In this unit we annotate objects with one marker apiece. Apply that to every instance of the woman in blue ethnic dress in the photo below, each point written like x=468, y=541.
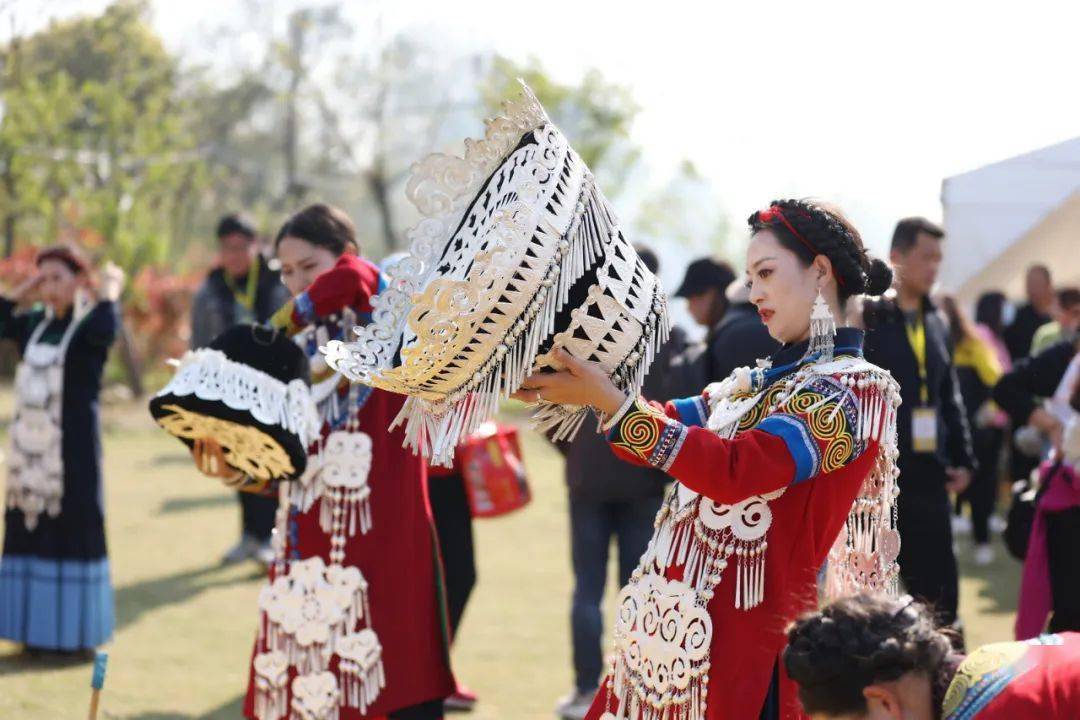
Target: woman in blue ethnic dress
x=779, y=468
x=55, y=588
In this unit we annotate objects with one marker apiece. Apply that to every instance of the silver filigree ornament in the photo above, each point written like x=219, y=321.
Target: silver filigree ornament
x=508, y=230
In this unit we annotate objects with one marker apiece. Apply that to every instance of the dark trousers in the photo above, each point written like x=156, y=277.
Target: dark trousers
x=1063, y=554
x=425, y=711
x=927, y=562
x=257, y=515
x=981, y=495
x=592, y=525
x=453, y=525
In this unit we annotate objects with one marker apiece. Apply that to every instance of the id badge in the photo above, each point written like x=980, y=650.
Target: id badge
x=924, y=429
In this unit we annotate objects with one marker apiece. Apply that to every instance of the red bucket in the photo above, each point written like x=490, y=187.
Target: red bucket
x=494, y=473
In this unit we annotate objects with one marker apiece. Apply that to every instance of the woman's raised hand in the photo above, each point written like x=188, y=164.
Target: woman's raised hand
x=25, y=291
x=581, y=383
x=111, y=283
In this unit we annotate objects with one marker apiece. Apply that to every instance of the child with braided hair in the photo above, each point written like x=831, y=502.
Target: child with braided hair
x=778, y=468
x=878, y=658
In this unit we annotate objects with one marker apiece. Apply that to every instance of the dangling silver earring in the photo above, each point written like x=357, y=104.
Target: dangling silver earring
x=822, y=330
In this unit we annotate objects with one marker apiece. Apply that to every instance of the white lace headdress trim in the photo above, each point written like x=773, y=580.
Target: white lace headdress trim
x=210, y=375
x=507, y=231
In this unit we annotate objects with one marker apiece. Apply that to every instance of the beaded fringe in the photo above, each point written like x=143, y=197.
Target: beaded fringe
x=436, y=428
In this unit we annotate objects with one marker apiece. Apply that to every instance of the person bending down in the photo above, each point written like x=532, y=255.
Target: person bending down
x=878, y=658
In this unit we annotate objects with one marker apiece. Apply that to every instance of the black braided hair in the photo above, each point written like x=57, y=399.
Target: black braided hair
x=835, y=653
x=830, y=234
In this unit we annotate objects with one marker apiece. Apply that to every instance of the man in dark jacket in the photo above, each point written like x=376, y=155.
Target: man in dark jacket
x=242, y=289
x=907, y=336
x=736, y=337
x=1034, y=314
x=609, y=498
x=1020, y=392
x=740, y=339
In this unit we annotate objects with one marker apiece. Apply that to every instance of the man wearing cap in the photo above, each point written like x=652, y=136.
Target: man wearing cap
x=720, y=302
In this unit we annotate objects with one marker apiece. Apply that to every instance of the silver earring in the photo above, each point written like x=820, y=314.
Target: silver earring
x=822, y=330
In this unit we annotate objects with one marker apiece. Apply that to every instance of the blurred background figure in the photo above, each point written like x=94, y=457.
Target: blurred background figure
x=241, y=289
x=1032, y=315
x=978, y=368
x=1043, y=393
x=990, y=310
x=704, y=288
x=906, y=335
x=1065, y=324
x=55, y=583
x=609, y=499
x=740, y=339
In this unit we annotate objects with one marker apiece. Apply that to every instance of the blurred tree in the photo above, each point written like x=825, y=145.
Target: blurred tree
x=96, y=136
x=95, y=141
x=328, y=108
x=685, y=210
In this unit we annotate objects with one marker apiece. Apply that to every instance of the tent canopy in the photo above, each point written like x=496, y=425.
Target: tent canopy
x=1006, y=216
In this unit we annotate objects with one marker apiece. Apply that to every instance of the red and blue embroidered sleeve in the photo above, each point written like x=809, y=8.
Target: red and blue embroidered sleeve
x=812, y=433
x=350, y=283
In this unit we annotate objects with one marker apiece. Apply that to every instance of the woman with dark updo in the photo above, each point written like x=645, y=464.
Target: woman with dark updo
x=878, y=658
x=779, y=468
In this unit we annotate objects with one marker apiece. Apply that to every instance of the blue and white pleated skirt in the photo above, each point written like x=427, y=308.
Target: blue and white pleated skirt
x=56, y=604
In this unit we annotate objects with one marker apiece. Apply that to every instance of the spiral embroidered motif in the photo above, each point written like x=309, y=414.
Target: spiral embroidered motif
x=640, y=430
x=829, y=423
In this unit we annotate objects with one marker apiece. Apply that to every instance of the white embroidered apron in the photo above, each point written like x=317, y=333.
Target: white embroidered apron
x=36, y=466
x=313, y=610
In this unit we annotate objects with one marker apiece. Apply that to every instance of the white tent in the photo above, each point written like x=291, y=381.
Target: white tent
x=1011, y=214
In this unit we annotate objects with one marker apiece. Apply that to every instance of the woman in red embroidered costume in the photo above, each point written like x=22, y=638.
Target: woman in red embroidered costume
x=875, y=658
x=352, y=620
x=779, y=469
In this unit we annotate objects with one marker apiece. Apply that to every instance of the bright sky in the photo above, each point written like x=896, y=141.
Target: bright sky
x=864, y=103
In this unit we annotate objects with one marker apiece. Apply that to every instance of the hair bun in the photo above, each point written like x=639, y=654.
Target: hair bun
x=879, y=277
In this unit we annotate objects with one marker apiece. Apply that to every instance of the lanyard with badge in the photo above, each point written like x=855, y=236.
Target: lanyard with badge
x=923, y=417
x=244, y=311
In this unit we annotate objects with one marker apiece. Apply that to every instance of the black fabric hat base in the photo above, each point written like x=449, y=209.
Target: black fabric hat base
x=264, y=452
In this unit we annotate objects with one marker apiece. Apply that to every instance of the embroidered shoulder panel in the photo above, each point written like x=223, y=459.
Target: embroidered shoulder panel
x=817, y=423
x=981, y=677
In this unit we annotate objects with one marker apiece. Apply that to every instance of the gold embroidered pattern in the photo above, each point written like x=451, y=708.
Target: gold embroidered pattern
x=247, y=449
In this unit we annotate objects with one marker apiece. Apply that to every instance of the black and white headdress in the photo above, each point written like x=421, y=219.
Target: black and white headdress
x=518, y=252
x=248, y=391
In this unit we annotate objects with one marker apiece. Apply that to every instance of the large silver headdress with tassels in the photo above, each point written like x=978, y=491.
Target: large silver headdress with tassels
x=518, y=252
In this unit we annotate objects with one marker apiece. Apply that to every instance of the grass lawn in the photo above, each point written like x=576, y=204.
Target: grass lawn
x=186, y=624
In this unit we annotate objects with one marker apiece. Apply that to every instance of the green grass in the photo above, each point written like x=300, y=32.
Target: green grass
x=185, y=624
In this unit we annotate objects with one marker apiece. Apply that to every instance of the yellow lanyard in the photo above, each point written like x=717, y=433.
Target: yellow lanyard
x=916, y=335
x=247, y=300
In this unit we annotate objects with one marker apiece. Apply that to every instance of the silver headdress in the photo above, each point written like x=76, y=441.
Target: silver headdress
x=518, y=252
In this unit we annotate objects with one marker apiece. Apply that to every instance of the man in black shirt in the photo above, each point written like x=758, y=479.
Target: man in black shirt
x=1033, y=315
x=242, y=289
x=907, y=336
x=717, y=300
x=740, y=339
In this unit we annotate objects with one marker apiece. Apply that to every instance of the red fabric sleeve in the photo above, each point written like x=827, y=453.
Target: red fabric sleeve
x=812, y=433
x=728, y=471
